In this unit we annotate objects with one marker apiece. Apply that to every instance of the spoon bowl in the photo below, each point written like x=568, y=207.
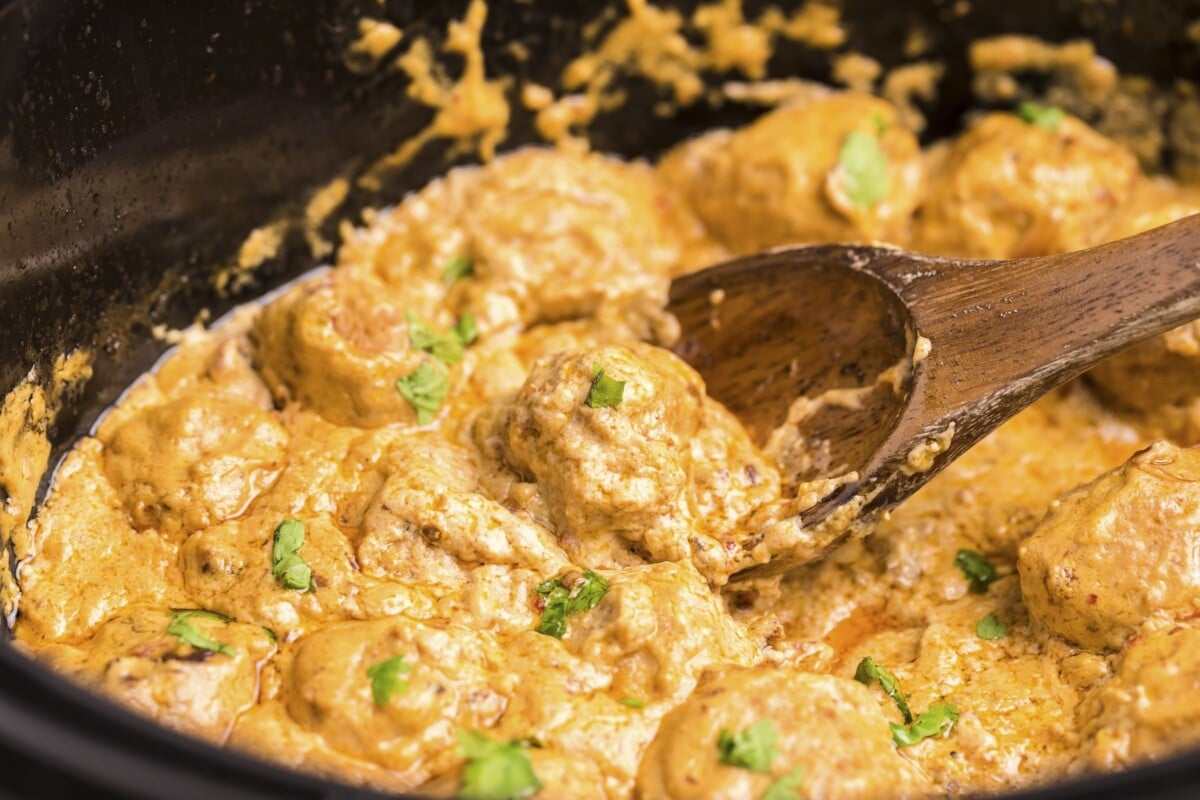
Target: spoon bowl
x=883, y=366
x=792, y=323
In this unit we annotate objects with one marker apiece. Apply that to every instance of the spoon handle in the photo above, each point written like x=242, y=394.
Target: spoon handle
x=1003, y=333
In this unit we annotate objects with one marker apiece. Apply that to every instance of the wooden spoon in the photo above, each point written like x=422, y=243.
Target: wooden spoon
x=800, y=321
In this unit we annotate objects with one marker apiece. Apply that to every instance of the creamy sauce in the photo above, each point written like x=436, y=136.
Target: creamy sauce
x=442, y=483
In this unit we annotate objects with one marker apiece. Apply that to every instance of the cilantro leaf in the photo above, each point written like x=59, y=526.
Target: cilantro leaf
x=182, y=628
x=386, y=680
x=864, y=169
x=787, y=787
x=868, y=671
x=605, y=392
x=632, y=702
x=937, y=720
x=977, y=569
x=287, y=566
x=990, y=628
x=424, y=389
x=554, y=613
x=495, y=770
x=446, y=349
x=561, y=602
x=465, y=330
x=1047, y=117
x=458, y=267
x=753, y=749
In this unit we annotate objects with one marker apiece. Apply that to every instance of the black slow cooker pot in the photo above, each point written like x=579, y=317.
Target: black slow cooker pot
x=141, y=142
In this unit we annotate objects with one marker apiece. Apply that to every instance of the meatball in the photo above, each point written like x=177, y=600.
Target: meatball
x=853, y=758
x=1016, y=709
x=1115, y=552
x=658, y=625
x=338, y=347
x=332, y=479
x=428, y=525
x=543, y=235
x=562, y=235
x=560, y=775
x=413, y=731
x=1007, y=188
x=91, y=562
x=612, y=477
x=193, y=462
x=228, y=568
x=1162, y=371
x=136, y=660
x=561, y=698
x=784, y=179
x=1151, y=706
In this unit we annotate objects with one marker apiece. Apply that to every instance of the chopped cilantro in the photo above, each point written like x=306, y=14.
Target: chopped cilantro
x=182, y=628
x=787, y=787
x=424, y=389
x=881, y=124
x=1047, y=117
x=937, y=720
x=495, y=770
x=990, y=628
x=868, y=671
x=287, y=566
x=605, y=392
x=977, y=569
x=632, y=702
x=561, y=602
x=386, y=680
x=457, y=267
x=864, y=169
x=447, y=349
x=752, y=749
x=465, y=330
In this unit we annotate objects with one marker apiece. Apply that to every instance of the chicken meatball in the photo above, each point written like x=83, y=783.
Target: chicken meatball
x=560, y=696
x=1150, y=708
x=193, y=462
x=612, y=476
x=839, y=168
x=339, y=347
x=395, y=691
x=1113, y=553
x=539, y=236
x=659, y=625
x=229, y=568
x=545, y=225
x=1008, y=188
x=190, y=670
x=853, y=758
x=427, y=525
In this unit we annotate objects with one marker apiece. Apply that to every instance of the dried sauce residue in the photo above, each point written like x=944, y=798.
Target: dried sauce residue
x=472, y=110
